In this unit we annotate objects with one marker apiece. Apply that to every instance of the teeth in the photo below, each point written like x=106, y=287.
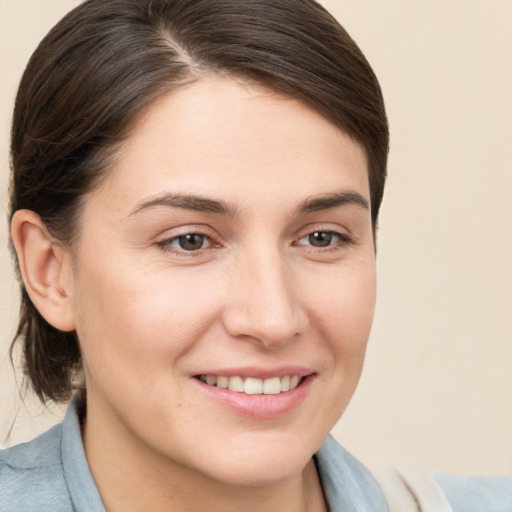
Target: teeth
x=222, y=382
x=236, y=384
x=272, y=386
x=211, y=380
x=252, y=385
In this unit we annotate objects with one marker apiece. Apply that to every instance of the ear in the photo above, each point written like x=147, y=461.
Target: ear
x=45, y=268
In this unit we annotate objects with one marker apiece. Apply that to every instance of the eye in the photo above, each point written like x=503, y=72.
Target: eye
x=320, y=239
x=189, y=242
x=323, y=239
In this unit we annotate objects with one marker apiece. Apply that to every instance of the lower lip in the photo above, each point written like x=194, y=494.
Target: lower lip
x=259, y=406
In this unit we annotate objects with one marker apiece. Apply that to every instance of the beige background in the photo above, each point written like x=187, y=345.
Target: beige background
x=437, y=388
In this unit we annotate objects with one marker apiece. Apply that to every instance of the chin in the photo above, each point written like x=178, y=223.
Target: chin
x=261, y=471
x=262, y=461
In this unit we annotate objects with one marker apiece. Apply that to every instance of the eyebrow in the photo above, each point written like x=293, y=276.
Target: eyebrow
x=328, y=201
x=219, y=207
x=188, y=202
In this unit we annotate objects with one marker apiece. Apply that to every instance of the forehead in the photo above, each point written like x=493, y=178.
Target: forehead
x=217, y=136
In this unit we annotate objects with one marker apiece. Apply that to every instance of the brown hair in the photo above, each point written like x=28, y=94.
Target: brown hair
x=107, y=60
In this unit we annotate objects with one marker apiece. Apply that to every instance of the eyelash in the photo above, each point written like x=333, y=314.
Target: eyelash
x=341, y=240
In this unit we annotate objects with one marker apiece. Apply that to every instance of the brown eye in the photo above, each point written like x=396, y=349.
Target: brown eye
x=190, y=242
x=320, y=239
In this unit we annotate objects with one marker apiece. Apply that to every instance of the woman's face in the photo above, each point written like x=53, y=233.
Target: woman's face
x=232, y=243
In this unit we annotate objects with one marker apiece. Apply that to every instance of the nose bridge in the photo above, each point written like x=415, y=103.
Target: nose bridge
x=265, y=303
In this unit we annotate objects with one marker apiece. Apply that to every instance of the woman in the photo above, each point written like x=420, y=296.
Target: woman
x=196, y=187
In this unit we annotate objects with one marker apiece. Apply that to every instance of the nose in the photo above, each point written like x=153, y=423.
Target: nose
x=264, y=305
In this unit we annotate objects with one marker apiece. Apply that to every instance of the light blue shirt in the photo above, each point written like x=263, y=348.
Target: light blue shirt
x=51, y=474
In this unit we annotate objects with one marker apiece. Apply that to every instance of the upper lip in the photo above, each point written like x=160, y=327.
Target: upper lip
x=259, y=372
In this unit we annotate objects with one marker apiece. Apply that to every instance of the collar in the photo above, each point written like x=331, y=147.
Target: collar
x=82, y=489
x=347, y=484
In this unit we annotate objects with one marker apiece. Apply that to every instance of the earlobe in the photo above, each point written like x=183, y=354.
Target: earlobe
x=45, y=269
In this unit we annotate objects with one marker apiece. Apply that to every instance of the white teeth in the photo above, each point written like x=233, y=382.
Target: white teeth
x=272, y=386
x=222, y=382
x=236, y=384
x=253, y=385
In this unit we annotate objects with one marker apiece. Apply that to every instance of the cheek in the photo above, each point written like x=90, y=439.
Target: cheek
x=344, y=315
x=133, y=320
x=342, y=311
x=344, y=305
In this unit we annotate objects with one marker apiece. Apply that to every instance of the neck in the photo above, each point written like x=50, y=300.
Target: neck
x=130, y=478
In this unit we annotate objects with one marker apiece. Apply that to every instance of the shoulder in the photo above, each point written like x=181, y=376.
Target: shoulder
x=350, y=486
x=416, y=489
x=477, y=493
x=31, y=475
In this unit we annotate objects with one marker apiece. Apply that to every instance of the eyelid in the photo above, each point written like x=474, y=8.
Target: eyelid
x=186, y=229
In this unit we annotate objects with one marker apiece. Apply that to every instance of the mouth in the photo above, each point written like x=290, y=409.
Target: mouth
x=253, y=385
x=257, y=393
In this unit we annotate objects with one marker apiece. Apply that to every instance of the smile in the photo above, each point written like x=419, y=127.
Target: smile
x=253, y=385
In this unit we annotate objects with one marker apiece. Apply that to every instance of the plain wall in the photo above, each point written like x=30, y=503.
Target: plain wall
x=437, y=386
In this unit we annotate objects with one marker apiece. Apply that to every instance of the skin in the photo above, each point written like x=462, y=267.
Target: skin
x=151, y=316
